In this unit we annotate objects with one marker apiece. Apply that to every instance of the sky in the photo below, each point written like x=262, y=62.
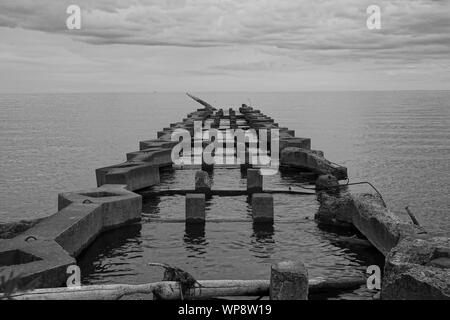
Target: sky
x=223, y=45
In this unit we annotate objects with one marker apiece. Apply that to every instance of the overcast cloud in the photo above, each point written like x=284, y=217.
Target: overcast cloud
x=172, y=45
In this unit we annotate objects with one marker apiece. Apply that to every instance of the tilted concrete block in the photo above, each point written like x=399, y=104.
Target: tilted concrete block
x=136, y=175
x=380, y=226
x=418, y=269
x=308, y=160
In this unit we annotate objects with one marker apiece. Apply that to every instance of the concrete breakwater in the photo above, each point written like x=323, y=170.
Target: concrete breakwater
x=45, y=250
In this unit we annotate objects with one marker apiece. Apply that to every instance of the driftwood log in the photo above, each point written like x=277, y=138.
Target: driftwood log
x=170, y=290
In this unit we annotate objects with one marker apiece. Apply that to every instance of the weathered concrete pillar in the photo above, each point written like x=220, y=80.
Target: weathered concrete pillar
x=195, y=208
x=262, y=207
x=289, y=281
x=254, y=180
x=202, y=182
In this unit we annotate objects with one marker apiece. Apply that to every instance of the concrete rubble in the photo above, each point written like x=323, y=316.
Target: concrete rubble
x=417, y=264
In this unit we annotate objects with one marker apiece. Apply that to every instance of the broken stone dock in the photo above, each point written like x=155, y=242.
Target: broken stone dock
x=417, y=264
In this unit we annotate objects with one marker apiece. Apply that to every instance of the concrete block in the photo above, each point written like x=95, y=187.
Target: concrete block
x=328, y=183
x=303, y=143
x=161, y=157
x=289, y=281
x=164, y=132
x=318, y=153
x=165, y=135
x=195, y=208
x=73, y=228
x=335, y=210
x=156, y=143
x=41, y=262
x=380, y=226
x=262, y=207
x=84, y=214
x=136, y=175
x=418, y=269
x=119, y=205
x=254, y=180
x=287, y=132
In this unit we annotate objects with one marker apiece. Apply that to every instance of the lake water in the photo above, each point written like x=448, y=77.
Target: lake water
x=399, y=141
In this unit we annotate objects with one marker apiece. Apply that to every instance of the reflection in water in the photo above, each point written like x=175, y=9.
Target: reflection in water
x=194, y=239
x=167, y=175
x=262, y=240
x=151, y=206
x=364, y=255
x=263, y=231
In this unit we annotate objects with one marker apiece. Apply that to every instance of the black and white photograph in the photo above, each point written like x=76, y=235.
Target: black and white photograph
x=223, y=154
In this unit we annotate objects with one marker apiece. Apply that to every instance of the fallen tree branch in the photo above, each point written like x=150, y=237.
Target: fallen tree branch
x=414, y=220
x=170, y=290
